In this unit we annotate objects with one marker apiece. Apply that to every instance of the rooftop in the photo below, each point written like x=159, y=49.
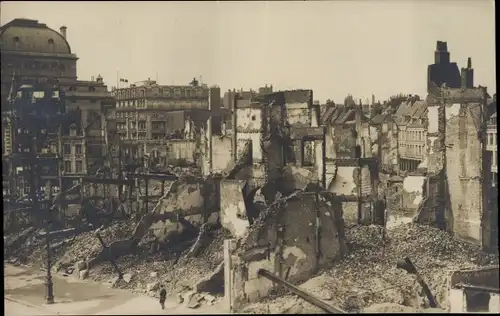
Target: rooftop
x=29, y=36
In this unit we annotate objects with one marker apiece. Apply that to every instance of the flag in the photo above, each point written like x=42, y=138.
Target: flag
x=123, y=80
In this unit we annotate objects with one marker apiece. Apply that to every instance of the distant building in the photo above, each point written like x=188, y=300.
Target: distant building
x=231, y=96
x=411, y=119
x=149, y=113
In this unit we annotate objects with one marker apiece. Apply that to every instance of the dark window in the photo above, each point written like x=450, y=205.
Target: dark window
x=51, y=41
x=78, y=149
x=79, y=167
x=477, y=302
x=67, y=166
x=357, y=151
x=67, y=149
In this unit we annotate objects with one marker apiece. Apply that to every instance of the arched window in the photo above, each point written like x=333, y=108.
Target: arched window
x=51, y=41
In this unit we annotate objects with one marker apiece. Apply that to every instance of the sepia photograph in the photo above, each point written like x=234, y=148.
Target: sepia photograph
x=249, y=157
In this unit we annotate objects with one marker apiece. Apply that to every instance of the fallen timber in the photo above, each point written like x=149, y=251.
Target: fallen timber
x=300, y=293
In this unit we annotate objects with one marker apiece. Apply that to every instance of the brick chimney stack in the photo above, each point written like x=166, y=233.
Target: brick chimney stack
x=62, y=30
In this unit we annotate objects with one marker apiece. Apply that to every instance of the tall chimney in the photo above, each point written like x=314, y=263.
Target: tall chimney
x=467, y=75
x=62, y=30
x=441, y=55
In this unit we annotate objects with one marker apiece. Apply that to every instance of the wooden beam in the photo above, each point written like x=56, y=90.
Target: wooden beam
x=107, y=181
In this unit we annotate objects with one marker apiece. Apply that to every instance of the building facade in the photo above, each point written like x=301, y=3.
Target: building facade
x=491, y=145
x=39, y=68
x=411, y=118
x=148, y=115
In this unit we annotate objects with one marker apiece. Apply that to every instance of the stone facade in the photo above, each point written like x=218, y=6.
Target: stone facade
x=37, y=59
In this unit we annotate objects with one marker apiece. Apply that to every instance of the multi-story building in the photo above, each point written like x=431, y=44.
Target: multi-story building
x=411, y=119
x=37, y=60
x=147, y=114
x=241, y=98
x=491, y=144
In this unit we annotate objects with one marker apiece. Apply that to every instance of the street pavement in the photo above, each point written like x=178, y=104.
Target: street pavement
x=25, y=291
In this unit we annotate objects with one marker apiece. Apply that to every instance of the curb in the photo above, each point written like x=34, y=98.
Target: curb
x=10, y=298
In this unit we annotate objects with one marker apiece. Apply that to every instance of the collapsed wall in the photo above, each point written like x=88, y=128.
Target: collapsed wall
x=189, y=203
x=293, y=238
x=356, y=181
x=404, y=195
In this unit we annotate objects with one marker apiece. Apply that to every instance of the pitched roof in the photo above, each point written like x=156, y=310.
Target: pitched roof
x=378, y=119
x=328, y=112
x=411, y=110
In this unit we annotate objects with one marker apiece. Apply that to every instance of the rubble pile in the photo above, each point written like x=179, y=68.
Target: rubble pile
x=176, y=271
x=368, y=275
x=86, y=245
x=66, y=251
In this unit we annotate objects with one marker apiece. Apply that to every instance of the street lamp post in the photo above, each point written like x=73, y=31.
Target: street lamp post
x=35, y=177
x=48, y=282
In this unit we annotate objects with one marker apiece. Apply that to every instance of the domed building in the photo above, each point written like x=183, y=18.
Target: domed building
x=31, y=50
x=37, y=58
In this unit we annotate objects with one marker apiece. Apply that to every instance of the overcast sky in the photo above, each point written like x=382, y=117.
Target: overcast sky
x=332, y=47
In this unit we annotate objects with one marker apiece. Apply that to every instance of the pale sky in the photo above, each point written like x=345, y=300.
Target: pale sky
x=333, y=47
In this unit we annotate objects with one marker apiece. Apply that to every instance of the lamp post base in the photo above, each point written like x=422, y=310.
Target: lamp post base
x=49, y=299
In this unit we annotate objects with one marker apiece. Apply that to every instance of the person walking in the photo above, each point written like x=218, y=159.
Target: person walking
x=163, y=296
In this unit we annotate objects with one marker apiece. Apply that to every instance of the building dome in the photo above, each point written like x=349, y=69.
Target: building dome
x=29, y=36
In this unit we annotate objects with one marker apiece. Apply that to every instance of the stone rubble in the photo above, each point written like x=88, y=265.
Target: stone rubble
x=367, y=278
x=368, y=275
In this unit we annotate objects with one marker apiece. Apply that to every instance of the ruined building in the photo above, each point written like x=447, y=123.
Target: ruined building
x=231, y=97
x=346, y=125
x=384, y=136
x=458, y=187
x=351, y=159
x=39, y=78
x=443, y=72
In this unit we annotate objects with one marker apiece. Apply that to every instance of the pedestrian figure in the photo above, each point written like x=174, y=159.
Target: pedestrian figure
x=163, y=296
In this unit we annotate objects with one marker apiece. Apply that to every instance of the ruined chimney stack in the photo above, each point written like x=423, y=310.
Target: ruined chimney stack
x=62, y=30
x=467, y=75
x=441, y=55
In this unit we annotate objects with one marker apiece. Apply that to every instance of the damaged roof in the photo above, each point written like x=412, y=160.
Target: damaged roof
x=340, y=114
x=412, y=109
